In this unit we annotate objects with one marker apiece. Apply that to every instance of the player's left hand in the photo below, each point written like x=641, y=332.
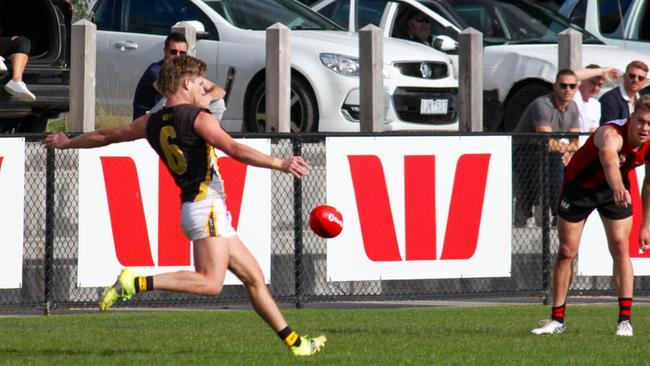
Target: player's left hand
x=296, y=166
x=55, y=140
x=644, y=239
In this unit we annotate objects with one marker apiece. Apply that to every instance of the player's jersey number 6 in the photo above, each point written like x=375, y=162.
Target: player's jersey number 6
x=173, y=153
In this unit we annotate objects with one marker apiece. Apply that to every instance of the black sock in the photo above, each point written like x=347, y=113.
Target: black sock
x=143, y=284
x=290, y=338
x=557, y=313
x=624, y=309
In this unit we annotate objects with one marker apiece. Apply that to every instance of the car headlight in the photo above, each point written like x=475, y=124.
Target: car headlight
x=341, y=64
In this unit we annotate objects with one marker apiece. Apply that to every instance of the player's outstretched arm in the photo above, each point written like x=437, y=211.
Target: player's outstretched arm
x=210, y=129
x=609, y=143
x=102, y=137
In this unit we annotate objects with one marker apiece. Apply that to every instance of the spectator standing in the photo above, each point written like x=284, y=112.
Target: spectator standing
x=553, y=112
x=618, y=103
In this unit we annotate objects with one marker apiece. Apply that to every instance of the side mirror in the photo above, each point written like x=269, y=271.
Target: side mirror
x=445, y=44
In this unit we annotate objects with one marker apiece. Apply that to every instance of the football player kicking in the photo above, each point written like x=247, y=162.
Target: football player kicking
x=597, y=179
x=183, y=134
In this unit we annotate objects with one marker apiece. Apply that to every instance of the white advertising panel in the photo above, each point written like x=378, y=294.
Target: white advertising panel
x=12, y=180
x=129, y=212
x=420, y=207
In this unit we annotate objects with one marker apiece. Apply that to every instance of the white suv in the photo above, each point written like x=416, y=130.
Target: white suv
x=520, y=38
x=324, y=63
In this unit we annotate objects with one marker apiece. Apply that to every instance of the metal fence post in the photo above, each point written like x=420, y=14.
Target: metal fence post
x=48, y=266
x=297, y=222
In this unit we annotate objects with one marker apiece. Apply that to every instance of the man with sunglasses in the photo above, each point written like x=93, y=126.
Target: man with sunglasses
x=618, y=103
x=553, y=112
x=597, y=179
x=146, y=96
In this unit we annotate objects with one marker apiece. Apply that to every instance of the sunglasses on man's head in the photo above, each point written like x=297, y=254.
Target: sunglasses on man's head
x=568, y=86
x=177, y=52
x=636, y=77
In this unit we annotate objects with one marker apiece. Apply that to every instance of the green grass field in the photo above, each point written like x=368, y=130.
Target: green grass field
x=494, y=335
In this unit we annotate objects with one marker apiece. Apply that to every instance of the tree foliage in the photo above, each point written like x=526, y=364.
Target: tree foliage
x=81, y=8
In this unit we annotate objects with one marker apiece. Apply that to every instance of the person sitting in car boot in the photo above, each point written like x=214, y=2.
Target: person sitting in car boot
x=18, y=48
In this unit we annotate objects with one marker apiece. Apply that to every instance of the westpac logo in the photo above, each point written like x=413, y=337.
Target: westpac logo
x=127, y=216
x=376, y=216
x=420, y=207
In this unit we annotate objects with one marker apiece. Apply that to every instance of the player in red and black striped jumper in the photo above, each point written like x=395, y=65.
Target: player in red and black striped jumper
x=597, y=179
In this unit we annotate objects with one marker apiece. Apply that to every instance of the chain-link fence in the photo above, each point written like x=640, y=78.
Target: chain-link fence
x=298, y=257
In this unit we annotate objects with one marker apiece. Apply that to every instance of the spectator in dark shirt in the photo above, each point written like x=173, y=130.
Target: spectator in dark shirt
x=146, y=96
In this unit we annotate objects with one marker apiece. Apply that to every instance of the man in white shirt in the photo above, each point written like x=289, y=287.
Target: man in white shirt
x=588, y=105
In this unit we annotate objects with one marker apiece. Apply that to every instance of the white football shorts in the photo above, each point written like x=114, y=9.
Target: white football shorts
x=206, y=218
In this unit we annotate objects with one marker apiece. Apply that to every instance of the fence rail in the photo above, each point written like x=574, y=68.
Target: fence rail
x=298, y=257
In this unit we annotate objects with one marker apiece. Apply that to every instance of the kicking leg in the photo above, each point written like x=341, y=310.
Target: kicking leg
x=245, y=266
x=211, y=257
x=210, y=260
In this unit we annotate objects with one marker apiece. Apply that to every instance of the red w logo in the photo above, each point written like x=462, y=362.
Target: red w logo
x=376, y=218
x=637, y=212
x=126, y=210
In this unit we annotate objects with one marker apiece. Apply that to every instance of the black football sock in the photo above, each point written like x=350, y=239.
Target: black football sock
x=290, y=337
x=143, y=284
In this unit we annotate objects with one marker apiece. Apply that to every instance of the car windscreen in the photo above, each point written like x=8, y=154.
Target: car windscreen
x=514, y=22
x=261, y=14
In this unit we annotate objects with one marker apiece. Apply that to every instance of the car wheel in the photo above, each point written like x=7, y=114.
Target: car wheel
x=520, y=101
x=304, y=112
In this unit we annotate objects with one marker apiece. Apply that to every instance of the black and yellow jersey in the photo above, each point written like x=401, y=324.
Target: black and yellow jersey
x=190, y=159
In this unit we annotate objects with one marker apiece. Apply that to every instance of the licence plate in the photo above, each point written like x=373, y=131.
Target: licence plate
x=433, y=106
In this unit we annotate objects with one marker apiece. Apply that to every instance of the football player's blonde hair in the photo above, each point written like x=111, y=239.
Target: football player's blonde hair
x=177, y=69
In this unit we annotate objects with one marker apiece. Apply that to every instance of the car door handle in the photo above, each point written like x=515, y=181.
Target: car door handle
x=126, y=45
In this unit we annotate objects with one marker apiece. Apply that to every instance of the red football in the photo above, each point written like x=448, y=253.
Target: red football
x=326, y=221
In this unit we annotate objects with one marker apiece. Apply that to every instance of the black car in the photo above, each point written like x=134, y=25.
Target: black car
x=47, y=24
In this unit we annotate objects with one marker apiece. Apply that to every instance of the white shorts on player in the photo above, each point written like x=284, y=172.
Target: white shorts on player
x=205, y=218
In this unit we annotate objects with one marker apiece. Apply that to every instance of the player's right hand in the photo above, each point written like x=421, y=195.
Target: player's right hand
x=55, y=140
x=296, y=165
x=622, y=197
